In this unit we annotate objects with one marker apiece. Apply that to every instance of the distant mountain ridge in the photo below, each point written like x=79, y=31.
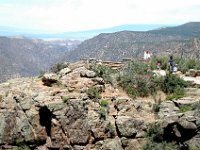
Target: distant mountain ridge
x=79, y=35
x=191, y=29
x=126, y=44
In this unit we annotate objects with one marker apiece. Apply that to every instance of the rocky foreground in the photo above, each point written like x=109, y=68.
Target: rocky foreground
x=57, y=112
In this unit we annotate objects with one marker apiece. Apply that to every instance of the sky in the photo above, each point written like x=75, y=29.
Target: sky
x=56, y=16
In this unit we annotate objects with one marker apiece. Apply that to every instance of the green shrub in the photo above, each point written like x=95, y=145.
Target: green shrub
x=196, y=106
x=59, y=66
x=185, y=64
x=104, y=103
x=102, y=113
x=177, y=93
x=93, y=92
x=65, y=99
x=193, y=148
x=137, y=80
x=21, y=145
x=154, y=132
x=156, y=108
x=185, y=109
x=173, y=96
x=173, y=84
x=163, y=62
x=103, y=109
x=155, y=140
x=104, y=72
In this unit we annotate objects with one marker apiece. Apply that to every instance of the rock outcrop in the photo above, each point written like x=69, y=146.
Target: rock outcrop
x=56, y=112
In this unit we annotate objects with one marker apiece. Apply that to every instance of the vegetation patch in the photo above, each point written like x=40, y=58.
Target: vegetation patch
x=103, y=103
x=102, y=113
x=174, y=84
x=185, y=64
x=65, y=99
x=59, y=66
x=103, y=72
x=137, y=79
x=93, y=92
x=155, y=139
x=156, y=108
x=163, y=62
x=21, y=145
x=185, y=109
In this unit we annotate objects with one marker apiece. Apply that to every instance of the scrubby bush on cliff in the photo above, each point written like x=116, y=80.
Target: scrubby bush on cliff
x=155, y=140
x=103, y=108
x=137, y=79
x=163, y=62
x=174, y=86
x=93, y=92
x=102, y=113
x=103, y=103
x=65, y=99
x=154, y=132
x=156, y=108
x=104, y=72
x=185, y=64
x=59, y=66
x=21, y=145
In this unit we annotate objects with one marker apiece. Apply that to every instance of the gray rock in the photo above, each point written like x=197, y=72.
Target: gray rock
x=186, y=102
x=80, y=135
x=100, y=81
x=187, y=125
x=194, y=142
x=26, y=104
x=167, y=108
x=87, y=73
x=64, y=71
x=133, y=144
x=49, y=78
x=191, y=73
x=112, y=144
x=129, y=126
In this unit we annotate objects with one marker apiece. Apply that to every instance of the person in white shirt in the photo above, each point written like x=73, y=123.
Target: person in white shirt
x=145, y=55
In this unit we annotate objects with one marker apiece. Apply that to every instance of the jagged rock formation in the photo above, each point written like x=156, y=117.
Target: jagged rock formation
x=56, y=112
x=180, y=125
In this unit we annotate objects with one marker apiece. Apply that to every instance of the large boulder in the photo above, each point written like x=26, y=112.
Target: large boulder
x=128, y=126
x=49, y=78
x=75, y=124
x=87, y=73
x=167, y=108
x=64, y=71
x=112, y=144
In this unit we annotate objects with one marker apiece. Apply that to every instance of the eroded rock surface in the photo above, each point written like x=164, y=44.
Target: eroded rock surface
x=55, y=112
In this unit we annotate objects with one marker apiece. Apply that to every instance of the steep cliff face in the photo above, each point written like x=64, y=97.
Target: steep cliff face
x=57, y=111
x=26, y=57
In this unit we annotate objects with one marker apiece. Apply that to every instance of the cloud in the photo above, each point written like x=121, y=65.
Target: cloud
x=75, y=15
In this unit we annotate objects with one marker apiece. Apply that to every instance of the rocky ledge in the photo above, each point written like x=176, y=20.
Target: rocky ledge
x=57, y=112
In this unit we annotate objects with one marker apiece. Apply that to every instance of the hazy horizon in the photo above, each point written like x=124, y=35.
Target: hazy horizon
x=58, y=16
